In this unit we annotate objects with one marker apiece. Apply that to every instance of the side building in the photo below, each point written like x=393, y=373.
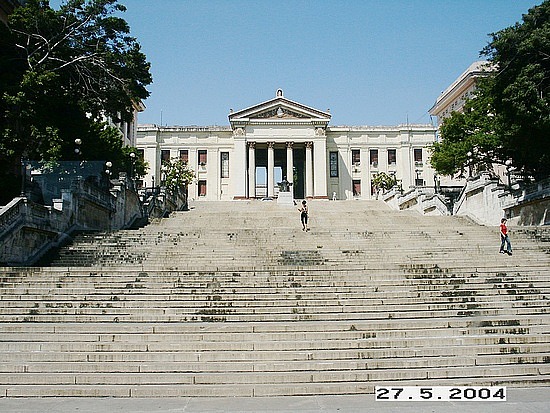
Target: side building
x=281, y=139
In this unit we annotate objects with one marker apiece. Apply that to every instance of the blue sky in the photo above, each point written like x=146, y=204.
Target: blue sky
x=372, y=62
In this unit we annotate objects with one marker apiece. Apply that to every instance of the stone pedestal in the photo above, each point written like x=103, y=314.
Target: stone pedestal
x=285, y=198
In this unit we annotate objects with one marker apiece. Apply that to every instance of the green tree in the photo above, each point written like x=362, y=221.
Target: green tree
x=509, y=118
x=177, y=175
x=469, y=137
x=384, y=181
x=61, y=73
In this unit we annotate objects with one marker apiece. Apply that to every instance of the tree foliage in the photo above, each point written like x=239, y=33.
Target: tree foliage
x=62, y=72
x=177, y=175
x=509, y=118
x=384, y=181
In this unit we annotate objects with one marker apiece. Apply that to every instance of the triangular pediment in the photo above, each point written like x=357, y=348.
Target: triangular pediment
x=279, y=108
x=281, y=112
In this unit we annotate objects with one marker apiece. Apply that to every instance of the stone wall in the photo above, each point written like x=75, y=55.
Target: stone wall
x=531, y=206
x=483, y=199
x=28, y=229
x=421, y=199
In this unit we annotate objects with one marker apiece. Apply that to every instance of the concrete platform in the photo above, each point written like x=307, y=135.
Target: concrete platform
x=519, y=400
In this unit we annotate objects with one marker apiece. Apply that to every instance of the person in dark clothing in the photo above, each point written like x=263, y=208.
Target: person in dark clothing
x=304, y=215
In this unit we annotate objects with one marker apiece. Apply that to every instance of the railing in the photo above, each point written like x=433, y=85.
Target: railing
x=11, y=214
x=434, y=202
x=51, y=225
x=473, y=184
x=158, y=203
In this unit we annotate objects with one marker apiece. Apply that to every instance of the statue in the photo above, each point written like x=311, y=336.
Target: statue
x=284, y=185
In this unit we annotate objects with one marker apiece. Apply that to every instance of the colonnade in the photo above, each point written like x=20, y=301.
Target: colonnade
x=309, y=169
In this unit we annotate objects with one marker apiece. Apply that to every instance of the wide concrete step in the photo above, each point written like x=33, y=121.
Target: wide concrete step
x=246, y=390
x=185, y=377
x=250, y=305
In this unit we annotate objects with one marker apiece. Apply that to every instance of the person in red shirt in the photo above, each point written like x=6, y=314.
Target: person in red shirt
x=504, y=238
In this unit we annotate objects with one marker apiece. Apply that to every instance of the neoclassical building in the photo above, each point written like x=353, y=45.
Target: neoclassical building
x=282, y=139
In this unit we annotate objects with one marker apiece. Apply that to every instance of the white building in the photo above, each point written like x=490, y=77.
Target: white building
x=280, y=138
x=453, y=99
x=463, y=88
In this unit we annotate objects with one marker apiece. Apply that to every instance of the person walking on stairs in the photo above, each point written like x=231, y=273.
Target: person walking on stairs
x=504, y=238
x=304, y=215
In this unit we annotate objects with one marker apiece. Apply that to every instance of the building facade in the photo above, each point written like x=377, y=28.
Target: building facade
x=281, y=139
x=453, y=99
x=463, y=88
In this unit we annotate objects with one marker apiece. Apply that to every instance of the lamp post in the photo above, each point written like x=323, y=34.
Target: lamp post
x=78, y=153
x=108, y=172
x=77, y=150
x=508, y=164
x=132, y=166
x=470, y=161
x=23, y=174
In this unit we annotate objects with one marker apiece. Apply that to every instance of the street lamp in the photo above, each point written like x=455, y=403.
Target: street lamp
x=508, y=164
x=133, y=161
x=78, y=152
x=470, y=160
x=24, y=167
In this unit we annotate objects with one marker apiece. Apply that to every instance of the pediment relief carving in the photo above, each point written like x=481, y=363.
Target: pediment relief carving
x=280, y=113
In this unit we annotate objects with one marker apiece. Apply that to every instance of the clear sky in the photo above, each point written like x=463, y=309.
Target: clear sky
x=372, y=62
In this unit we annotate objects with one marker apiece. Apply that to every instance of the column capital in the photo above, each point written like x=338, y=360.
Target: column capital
x=271, y=145
x=251, y=145
x=320, y=132
x=309, y=145
x=290, y=145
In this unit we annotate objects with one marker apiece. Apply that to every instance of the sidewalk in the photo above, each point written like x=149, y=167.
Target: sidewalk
x=519, y=400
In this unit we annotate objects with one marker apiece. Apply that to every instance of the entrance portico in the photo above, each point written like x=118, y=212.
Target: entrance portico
x=281, y=160
x=283, y=134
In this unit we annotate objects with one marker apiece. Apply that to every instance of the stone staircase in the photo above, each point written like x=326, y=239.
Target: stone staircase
x=233, y=299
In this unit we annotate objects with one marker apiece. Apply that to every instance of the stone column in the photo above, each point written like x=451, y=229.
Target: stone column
x=290, y=164
x=270, y=168
x=320, y=167
x=309, y=170
x=252, y=169
x=365, y=174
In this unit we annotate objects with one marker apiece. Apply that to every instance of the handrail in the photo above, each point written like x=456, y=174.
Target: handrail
x=11, y=214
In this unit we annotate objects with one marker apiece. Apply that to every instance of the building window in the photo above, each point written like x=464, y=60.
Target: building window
x=333, y=159
x=164, y=156
x=418, y=156
x=225, y=164
x=356, y=185
x=202, y=188
x=392, y=156
x=184, y=156
x=356, y=157
x=374, y=158
x=141, y=154
x=202, y=157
